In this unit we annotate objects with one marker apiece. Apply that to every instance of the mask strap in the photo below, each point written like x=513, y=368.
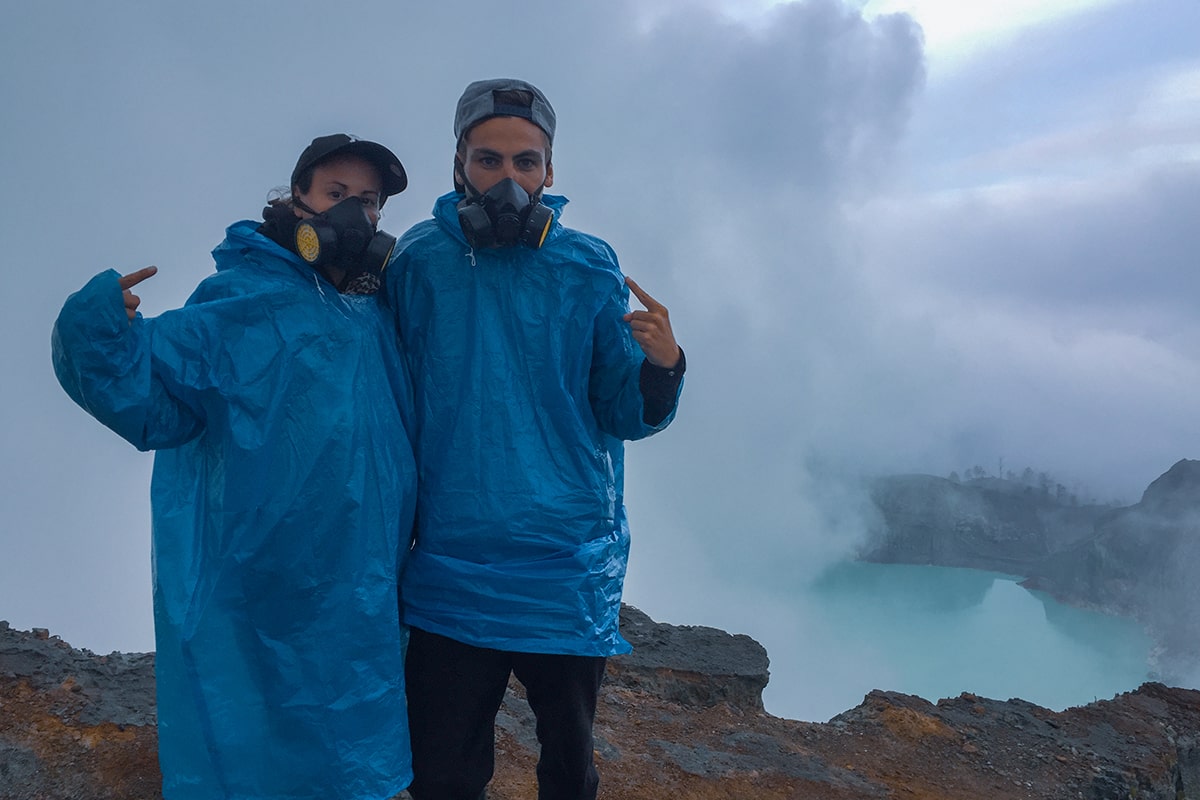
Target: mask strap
x=471, y=192
x=300, y=204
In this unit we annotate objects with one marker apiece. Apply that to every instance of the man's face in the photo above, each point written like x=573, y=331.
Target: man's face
x=507, y=147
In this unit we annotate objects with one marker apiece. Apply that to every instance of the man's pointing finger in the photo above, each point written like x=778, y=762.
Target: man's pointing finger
x=649, y=302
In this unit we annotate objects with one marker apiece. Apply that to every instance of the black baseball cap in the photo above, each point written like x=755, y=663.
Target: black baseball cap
x=392, y=171
x=478, y=102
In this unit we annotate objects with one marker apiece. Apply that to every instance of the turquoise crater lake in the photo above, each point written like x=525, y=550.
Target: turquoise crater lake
x=937, y=632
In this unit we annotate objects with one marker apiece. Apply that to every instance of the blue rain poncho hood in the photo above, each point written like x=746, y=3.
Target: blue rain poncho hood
x=282, y=503
x=526, y=385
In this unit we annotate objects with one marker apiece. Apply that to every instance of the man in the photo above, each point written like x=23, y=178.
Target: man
x=529, y=372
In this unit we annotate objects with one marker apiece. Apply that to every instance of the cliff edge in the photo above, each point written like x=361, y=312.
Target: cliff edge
x=680, y=718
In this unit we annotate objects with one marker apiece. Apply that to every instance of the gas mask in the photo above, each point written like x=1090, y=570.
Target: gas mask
x=344, y=239
x=504, y=215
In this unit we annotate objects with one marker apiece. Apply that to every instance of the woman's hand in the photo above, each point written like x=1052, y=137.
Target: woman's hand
x=127, y=282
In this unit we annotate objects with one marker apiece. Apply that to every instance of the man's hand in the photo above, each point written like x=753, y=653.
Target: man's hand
x=652, y=329
x=127, y=282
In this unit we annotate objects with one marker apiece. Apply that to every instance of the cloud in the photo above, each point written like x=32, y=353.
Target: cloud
x=1065, y=308
x=870, y=271
x=713, y=153
x=956, y=32
x=1071, y=249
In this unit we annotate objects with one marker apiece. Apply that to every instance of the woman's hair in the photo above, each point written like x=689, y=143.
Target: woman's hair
x=281, y=196
x=278, y=198
x=304, y=179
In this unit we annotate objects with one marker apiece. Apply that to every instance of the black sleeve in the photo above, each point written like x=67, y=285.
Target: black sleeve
x=659, y=386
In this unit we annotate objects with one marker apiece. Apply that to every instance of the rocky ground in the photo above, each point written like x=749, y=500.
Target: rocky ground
x=680, y=718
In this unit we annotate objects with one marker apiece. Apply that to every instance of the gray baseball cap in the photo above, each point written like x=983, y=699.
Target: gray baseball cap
x=478, y=102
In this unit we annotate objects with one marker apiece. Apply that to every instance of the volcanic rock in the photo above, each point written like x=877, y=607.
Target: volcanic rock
x=678, y=719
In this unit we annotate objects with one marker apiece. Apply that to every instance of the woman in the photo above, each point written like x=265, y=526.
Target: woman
x=282, y=492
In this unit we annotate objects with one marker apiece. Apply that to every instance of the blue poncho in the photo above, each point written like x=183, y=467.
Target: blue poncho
x=282, y=509
x=526, y=381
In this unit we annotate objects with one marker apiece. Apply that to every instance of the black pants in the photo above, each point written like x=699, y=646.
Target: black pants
x=454, y=692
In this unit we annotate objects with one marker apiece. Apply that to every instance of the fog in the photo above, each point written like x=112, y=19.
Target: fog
x=882, y=252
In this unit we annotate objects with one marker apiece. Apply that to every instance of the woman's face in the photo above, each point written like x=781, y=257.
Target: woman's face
x=341, y=177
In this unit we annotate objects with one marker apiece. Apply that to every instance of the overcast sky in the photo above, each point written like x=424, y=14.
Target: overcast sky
x=894, y=237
